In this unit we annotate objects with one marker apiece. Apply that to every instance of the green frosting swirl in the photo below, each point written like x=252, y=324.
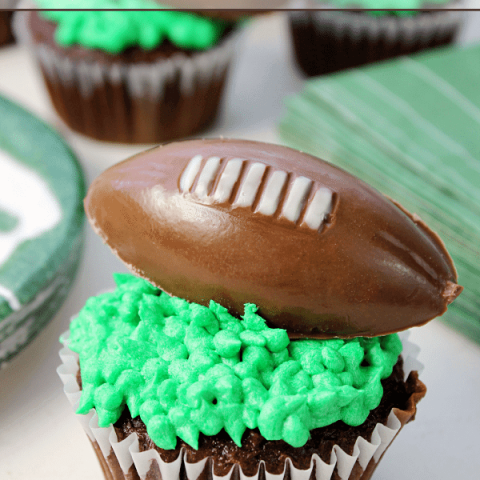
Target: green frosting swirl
x=114, y=31
x=185, y=369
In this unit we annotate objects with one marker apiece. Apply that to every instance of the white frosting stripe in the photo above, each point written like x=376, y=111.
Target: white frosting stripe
x=24, y=194
x=272, y=193
x=248, y=183
x=190, y=173
x=251, y=183
x=319, y=208
x=27, y=309
x=296, y=198
x=207, y=177
x=228, y=179
x=10, y=297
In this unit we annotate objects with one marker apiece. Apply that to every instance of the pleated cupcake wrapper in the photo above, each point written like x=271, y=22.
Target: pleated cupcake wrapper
x=143, y=79
x=128, y=454
x=409, y=30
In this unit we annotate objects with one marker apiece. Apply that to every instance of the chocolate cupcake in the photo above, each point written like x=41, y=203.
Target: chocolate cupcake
x=326, y=41
x=130, y=76
x=274, y=353
x=6, y=35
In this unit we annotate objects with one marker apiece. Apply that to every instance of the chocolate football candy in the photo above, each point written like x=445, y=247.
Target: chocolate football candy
x=320, y=253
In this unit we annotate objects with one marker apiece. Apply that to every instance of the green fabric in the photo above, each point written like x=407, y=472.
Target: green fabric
x=37, y=273
x=36, y=261
x=114, y=31
x=185, y=369
x=7, y=221
x=409, y=127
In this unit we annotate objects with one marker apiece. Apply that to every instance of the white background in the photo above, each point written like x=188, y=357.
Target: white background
x=40, y=439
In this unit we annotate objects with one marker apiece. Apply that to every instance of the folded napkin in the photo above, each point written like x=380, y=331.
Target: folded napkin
x=411, y=128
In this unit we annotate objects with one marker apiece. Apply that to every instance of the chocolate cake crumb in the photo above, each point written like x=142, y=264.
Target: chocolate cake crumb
x=255, y=448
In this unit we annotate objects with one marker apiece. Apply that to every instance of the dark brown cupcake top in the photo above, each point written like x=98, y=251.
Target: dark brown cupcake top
x=321, y=253
x=399, y=395
x=43, y=32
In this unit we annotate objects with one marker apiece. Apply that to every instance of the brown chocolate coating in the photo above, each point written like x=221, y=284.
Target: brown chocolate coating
x=369, y=269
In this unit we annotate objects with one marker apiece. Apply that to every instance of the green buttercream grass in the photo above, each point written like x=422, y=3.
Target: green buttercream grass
x=114, y=31
x=186, y=369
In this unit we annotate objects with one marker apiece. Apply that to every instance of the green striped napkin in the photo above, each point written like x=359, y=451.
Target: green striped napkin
x=411, y=128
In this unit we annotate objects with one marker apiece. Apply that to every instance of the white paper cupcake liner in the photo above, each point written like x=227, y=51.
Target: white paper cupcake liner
x=130, y=459
x=149, y=85
x=142, y=80
x=418, y=28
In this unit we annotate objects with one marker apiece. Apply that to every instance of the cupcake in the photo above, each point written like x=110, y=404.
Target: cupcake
x=41, y=226
x=257, y=335
x=5, y=31
x=130, y=76
x=327, y=41
x=6, y=35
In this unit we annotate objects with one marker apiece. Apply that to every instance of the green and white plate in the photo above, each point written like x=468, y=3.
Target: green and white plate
x=41, y=225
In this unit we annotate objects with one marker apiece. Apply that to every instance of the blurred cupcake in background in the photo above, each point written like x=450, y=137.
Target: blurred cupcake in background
x=325, y=41
x=6, y=35
x=131, y=76
x=5, y=31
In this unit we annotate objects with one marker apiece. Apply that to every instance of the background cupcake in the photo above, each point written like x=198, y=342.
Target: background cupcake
x=6, y=35
x=326, y=41
x=126, y=76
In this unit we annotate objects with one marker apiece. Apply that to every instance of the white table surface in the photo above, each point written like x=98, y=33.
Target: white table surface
x=40, y=439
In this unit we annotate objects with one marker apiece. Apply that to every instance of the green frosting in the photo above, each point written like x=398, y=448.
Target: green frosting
x=114, y=31
x=185, y=369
